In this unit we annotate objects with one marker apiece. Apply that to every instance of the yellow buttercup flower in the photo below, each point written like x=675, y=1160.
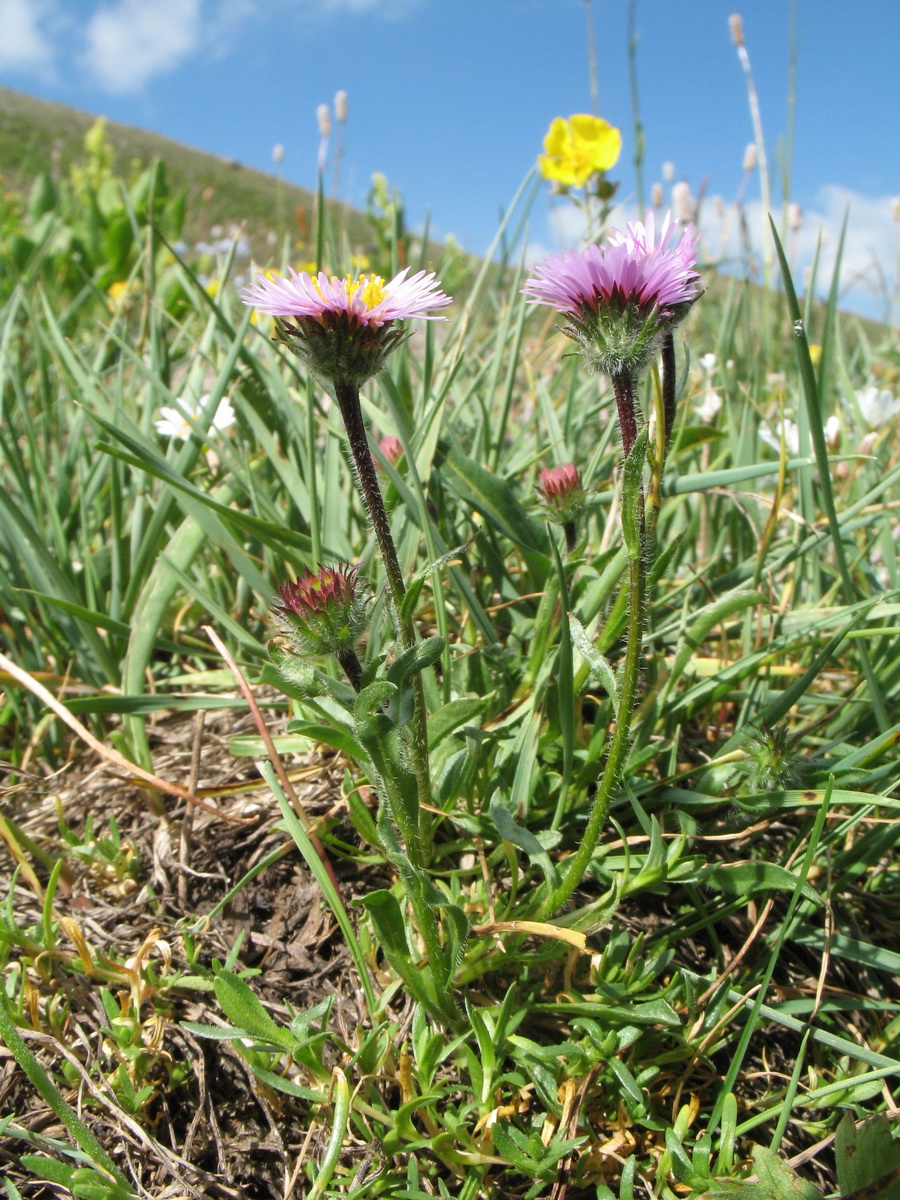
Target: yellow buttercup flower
x=118, y=294
x=578, y=148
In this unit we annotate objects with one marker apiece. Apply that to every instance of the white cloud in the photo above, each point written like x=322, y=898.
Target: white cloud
x=869, y=260
x=133, y=40
x=124, y=44
x=392, y=9
x=24, y=45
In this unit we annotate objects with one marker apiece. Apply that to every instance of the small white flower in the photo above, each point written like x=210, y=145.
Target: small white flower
x=708, y=362
x=712, y=404
x=174, y=422
x=833, y=433
x=877, y=405
x=785, y=431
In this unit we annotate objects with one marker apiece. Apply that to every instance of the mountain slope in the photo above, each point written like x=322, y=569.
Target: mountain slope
x=38, y=135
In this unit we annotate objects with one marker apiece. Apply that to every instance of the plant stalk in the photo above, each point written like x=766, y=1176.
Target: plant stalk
x=347, y=394
x=623, y=386
x=578, y=863
x=634, y=533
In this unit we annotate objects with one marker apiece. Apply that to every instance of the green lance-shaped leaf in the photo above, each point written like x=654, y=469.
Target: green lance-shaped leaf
x=632, y=495
x=241, y=1005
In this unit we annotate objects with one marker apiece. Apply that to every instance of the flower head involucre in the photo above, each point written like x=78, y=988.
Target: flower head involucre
x=621, y=297
x=344, y=329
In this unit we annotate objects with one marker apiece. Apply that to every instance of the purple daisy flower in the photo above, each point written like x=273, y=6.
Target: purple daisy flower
x=621, y=297
x=366, y=300
x=344, y=329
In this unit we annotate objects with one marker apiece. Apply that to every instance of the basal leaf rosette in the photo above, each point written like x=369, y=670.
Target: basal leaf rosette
x=622, y=297
x=345, y=328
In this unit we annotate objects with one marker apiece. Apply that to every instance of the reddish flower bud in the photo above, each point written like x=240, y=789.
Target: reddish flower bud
x=392, y=449
x=561, y=492
x=324, y=613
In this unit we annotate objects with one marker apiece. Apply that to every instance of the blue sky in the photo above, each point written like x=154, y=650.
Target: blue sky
x=451, y=98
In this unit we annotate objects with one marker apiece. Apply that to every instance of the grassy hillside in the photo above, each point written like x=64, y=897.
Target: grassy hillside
x=36, y=136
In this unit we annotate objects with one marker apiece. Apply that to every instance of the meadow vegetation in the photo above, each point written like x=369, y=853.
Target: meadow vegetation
x=224, y=972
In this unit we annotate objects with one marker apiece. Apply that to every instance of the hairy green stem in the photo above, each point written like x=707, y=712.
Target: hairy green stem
x=665, y=418
x=426, y=920
x=347, y=395
x=578, y=863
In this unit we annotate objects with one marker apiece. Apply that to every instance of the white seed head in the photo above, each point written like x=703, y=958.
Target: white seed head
x=683, y=202
x=736, y=25
x=795, y=217
x=340, y=106
x=323, y=116
x=656, y=195
x=278, y=153
x=750, y=157
x=668, y=171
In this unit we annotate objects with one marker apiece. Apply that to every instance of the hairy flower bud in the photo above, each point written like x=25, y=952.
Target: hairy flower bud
x=322, y=613
x=560, y=492
x=736, y=26
x=561, y=495
x=750, y=157
x=392, y=449
x=323, y=116
x=340, y=106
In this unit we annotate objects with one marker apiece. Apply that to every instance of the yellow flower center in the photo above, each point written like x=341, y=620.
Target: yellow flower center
x=372, y=289
x=371, y=286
